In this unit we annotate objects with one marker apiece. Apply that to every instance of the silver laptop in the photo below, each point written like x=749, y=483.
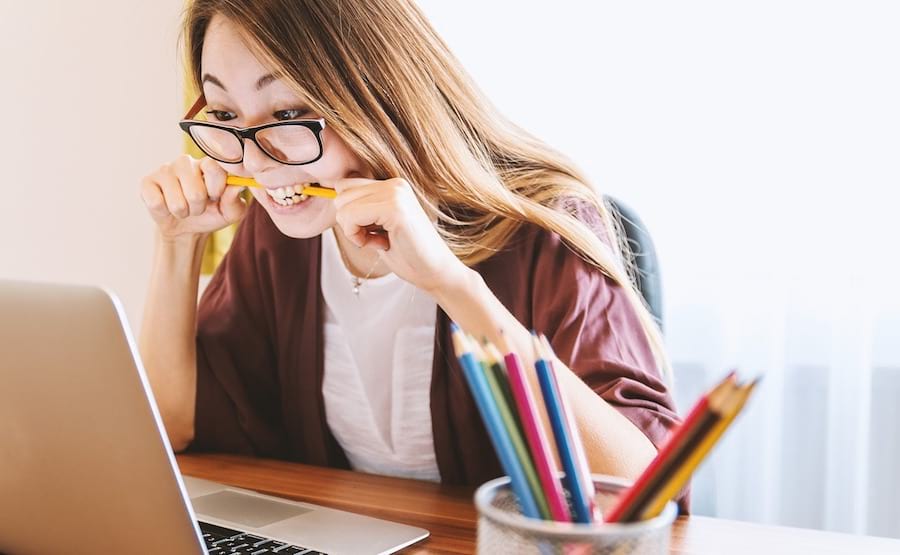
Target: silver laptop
x=85, y=465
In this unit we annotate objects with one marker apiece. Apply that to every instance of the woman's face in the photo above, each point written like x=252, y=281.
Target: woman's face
x=241, y=92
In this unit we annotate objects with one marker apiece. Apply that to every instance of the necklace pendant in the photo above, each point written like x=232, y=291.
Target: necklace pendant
x=356, y=283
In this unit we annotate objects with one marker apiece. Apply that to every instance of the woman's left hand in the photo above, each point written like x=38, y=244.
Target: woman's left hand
x=412, y=247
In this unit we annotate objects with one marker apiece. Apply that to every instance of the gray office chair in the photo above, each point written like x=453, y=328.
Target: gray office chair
x=646, y=276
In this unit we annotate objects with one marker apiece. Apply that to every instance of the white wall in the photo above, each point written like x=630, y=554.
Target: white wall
x=89, y=103
x=714, y=119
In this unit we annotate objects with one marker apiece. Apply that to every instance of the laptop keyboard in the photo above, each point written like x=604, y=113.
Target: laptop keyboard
x=220, y=540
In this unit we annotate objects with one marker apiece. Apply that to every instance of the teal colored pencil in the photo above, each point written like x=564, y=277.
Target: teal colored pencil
x=494, y=379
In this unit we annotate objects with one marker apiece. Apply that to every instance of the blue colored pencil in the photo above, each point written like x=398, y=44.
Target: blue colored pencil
x=490, y=414
x=587, y=481
x=565, y=443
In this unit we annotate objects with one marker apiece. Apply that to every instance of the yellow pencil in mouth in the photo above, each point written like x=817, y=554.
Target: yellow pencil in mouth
x=311, y=190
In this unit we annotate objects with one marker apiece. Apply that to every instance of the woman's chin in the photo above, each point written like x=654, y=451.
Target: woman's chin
x=299, y=231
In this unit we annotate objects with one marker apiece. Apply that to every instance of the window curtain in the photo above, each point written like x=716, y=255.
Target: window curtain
x=819, y=445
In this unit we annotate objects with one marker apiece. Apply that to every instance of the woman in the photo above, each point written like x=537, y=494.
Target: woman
x=324, y=335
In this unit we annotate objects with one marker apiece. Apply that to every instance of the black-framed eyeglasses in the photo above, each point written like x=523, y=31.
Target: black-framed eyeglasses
x=293, y=142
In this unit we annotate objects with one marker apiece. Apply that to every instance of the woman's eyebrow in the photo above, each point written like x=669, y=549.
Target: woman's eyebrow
x=260, y=83
x=207, y=78
x=265, y=80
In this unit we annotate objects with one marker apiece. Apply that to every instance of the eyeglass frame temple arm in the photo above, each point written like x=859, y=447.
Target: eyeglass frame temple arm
x=196, y=107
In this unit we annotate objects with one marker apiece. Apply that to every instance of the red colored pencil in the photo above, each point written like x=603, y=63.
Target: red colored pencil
x=676, y=446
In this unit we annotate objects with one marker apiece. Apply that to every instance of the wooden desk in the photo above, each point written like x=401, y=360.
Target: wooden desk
x=448, y=512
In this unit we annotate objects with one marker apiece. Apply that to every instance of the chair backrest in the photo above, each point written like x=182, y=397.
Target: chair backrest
x=647, y=275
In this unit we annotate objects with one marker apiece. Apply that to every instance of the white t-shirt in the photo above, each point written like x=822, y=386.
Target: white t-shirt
x=379, y=350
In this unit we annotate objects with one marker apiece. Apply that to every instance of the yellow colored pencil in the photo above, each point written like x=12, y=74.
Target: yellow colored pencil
x=323, y=192
x=732, y=406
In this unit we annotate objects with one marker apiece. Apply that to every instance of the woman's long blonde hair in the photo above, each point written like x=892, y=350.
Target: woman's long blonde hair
x=388, y=85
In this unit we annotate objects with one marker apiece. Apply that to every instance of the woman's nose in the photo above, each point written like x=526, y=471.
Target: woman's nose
x=255, y=160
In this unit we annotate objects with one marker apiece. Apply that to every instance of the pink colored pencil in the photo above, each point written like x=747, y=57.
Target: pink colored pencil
x=548, y=472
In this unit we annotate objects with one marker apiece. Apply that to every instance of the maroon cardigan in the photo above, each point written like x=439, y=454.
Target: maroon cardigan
x=260, y=349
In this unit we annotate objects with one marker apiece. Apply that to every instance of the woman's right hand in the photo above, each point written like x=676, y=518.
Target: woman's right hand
x=188, y=197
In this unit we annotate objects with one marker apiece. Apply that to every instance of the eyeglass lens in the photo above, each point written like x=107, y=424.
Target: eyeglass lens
x=286, y=143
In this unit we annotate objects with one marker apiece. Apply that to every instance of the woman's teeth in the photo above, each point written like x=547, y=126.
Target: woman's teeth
x=286, y=196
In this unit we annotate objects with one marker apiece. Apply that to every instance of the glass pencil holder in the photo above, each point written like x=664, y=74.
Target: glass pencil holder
x=502, y=529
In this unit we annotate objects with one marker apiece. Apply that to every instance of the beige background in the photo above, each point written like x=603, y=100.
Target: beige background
x=89, y=104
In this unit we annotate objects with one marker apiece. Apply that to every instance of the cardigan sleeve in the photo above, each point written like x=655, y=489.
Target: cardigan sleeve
x=237, y=392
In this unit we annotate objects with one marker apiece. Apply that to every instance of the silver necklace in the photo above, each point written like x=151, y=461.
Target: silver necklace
x=357, y=282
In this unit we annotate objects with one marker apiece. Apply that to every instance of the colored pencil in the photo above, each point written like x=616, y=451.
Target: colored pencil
x=698, y=422
x=312, y=191
x=541, y=452
x=729, y=409
x=581, y=506
x=498, y=367
x=493, y=422
x=581, y=462
x=496, y=379
x=508, y=406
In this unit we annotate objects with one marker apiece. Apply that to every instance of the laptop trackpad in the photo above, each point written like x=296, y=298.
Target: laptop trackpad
x=241, y=508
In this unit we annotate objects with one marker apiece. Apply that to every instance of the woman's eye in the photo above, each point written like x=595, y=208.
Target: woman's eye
x=289, y=114
x=221, y=115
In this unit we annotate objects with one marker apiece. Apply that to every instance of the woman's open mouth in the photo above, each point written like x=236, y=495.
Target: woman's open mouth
x=288, y=196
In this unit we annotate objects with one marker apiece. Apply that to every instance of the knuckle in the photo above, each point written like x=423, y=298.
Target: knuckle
x=209, y=164
x=194, y=196
x=398, y=189
x=154, y=205
x=179, y=208
x=152, y=199
x=212, y=171
x=345, y=222
x=397, y=194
